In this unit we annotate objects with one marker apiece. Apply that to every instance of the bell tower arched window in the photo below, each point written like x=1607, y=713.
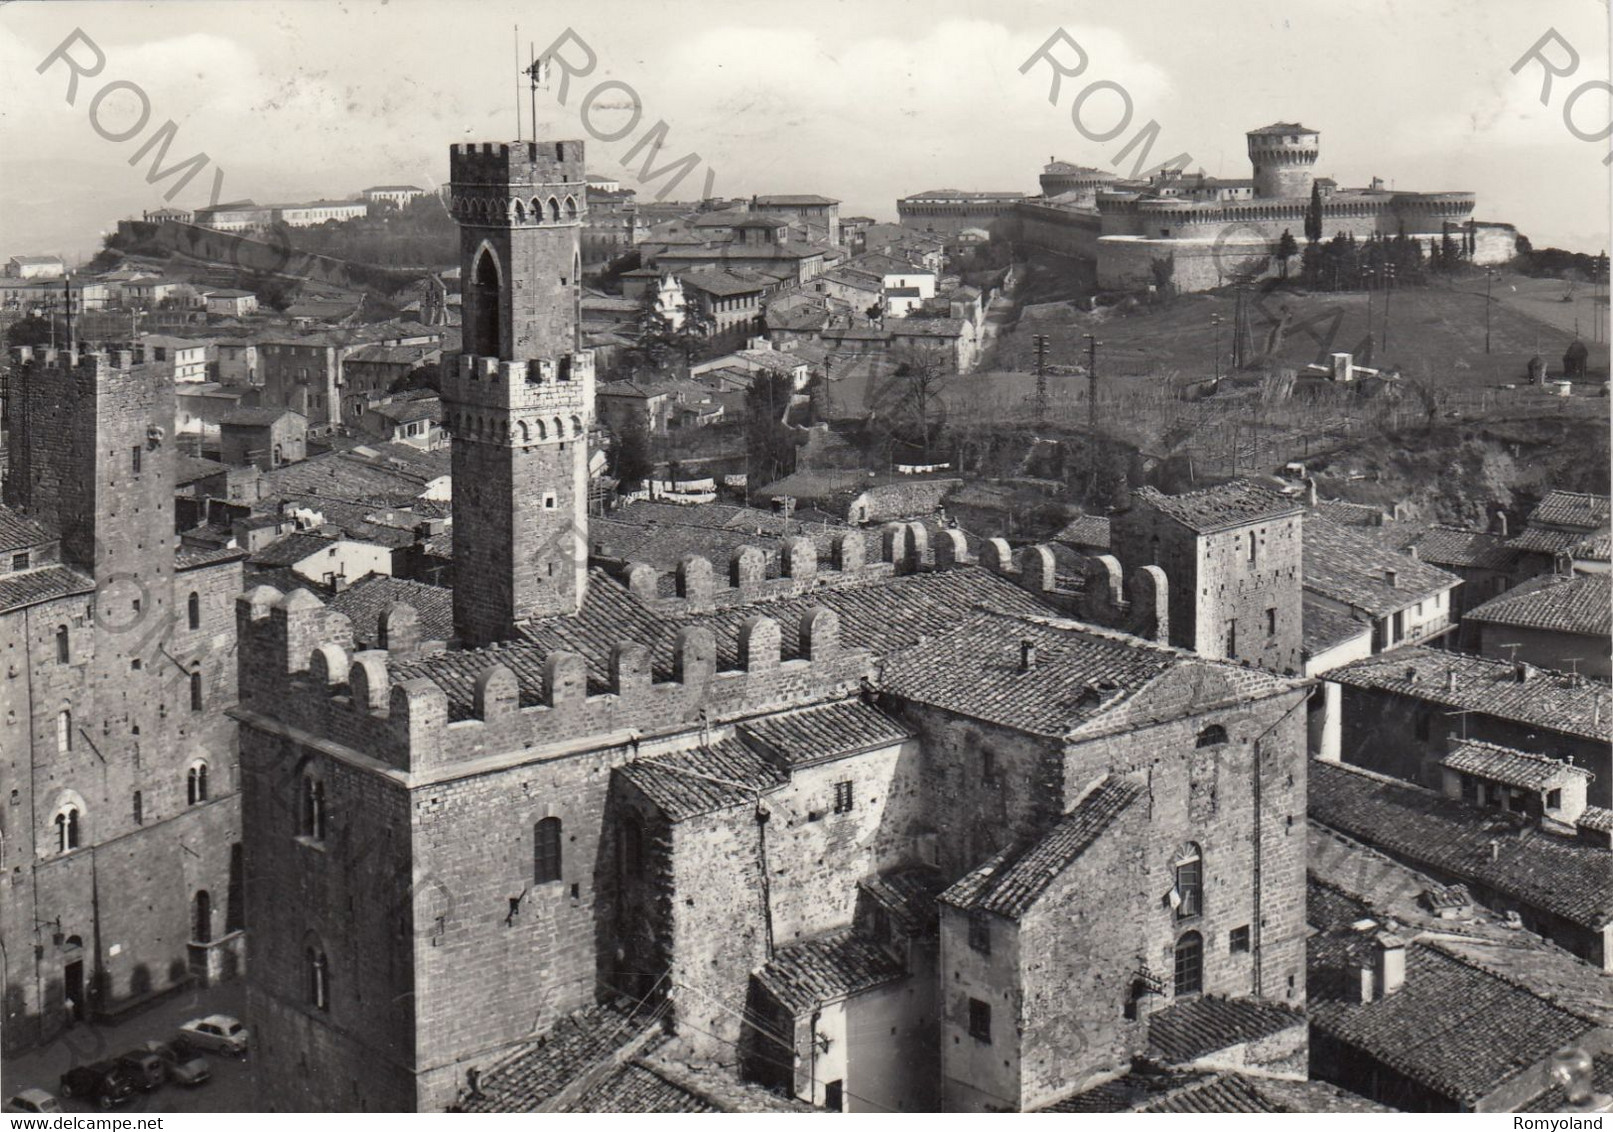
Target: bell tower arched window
x=487, y=292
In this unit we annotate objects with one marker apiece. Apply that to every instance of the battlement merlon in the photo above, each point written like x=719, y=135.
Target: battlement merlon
x=90, y=368
x=525, y=164
x=305, y=681
x=562, y=384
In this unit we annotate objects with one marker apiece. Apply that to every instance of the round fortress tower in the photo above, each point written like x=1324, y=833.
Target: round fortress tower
x=1284, y=158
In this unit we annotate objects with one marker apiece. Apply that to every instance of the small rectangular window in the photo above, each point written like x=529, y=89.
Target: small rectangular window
x=1554, y=799
x=19, y=561
x=134, y=459
x=139, y=809
x=1239, y=939
x=843, y=801
x=980, y=933
x=988, y=768
x=1271, y=622
x=980, y=1020
x=1425, y=725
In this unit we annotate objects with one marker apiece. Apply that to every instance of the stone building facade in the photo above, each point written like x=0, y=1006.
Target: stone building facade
x=1238, y=553
x=731, y=795
x=121, y=827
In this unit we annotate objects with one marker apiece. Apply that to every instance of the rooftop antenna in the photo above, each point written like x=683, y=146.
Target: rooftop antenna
x=1464, y=713
x=519, y=136
x=1512, y=657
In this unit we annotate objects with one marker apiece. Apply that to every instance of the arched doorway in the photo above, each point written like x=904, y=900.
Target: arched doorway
x=484, y=330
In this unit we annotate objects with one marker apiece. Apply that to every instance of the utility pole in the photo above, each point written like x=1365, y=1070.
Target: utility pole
x=1039, y=342
x=1092, y=405
x=1215, y=333
x=1367, y=274
x=1388, y=286
x=1489, y=276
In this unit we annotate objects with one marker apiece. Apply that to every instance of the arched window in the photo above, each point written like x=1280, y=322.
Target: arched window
x=318, y=968
x=1189, y=867
x=64, y=731
x=546, y=851
x=313, y=808
x=1189, y=964
x=63, y=653
x=1212, y=736
x=202, y=920
x=554, y=209
x=67, y=828
x=485, y=290
x=193, y=609
x=196, y=783
x=196, y=695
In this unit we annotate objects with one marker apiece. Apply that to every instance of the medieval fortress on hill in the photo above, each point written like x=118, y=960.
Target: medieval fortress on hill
x=1212, y=230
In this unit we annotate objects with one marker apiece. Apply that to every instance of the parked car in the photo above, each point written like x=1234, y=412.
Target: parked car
x=33, y=1100
x=103, y=1082
x=183, y=1061
x=217, y=1033
x=145, y=1068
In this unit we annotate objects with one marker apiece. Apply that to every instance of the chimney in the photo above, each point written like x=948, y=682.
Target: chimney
x=1522, y=672
x=1027, y=654
x=1495, y=850
x=1411, y=551
x=1389, y=964
x=1389, y=575
x=1501, y=523
x=1450, y=679
x=1310, y=491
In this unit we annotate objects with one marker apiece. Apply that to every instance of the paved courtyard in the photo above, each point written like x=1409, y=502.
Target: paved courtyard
x=230, y=1089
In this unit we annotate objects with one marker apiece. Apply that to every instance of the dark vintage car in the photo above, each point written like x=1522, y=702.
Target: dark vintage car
x=103, y=1082
x=145, y=1069
x=184, y=1062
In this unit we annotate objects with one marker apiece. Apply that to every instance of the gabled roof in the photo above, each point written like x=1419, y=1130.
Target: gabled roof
x=686, y=784
x=787, y=200
x=571, y=1047
x=19, y=532
x=364, y=602
x=1326, y=628
x=1582, y=605
x=817, y=734
x=1084, y=680
x=256, y=417
x=1086, y=530
x=1010, y=884
x=1550, y=701
x=30, y=587
x=1453, y=547
x=908, y=895
x=1219, y=508
x=1194, y=1028
x=1451, y=1027
x=292, y=549
x=1430, y=831
x=1352, y=568
x=803, y=976
x=1573, y=509
x=1510, y=766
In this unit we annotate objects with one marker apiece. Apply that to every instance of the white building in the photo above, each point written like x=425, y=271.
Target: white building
x=36, y=267
x=319, y=211
x=399, y=195
x=231, y=303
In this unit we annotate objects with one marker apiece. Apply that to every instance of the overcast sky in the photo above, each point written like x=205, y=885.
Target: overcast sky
x=866, y=102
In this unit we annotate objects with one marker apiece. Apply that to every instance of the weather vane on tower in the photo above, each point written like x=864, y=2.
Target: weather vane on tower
x=537, y=73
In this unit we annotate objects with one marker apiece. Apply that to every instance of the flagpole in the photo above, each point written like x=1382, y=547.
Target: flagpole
x=533, y=73
x=517, y=47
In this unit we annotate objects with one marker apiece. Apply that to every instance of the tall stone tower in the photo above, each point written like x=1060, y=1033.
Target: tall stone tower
x=519, y=398
x=1284, y=158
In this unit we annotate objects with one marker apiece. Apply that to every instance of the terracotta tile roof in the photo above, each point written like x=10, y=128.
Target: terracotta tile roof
x=1349, y=567
x=1198, y=1027
x=365, y=601
x=1083, y=677
x=1010, y=884
x=1086, y=531
x=805, y=975
x=570, y=1047
x=788, y=200
x=909, y=895
x=682, y=784
x=1573, y=509
x=189, y=469
x=633, y=1087
x=1218, y=508
x=255, y=417
x=1582, y=604
x=1430, y=831
x=1348, y=514
x=1219, y=1094
x=1547, y=700
x=19, y=532
x=292, y=549
x=1148, y=1090
x=1326, y=628
x=31, y=587
x=194, y=557
x=1452, y=1027
x=1509, y=766
x=1450, y=547
x=1596, y=818
x=818, y=734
